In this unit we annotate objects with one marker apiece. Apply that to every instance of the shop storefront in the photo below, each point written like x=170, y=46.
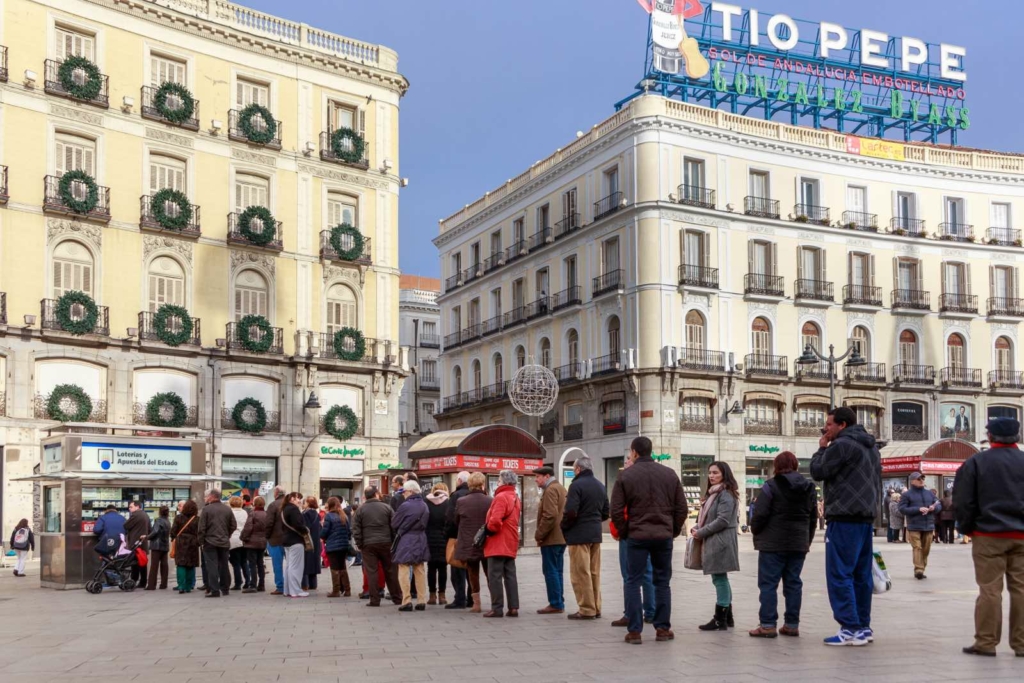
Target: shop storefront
x=693, y=474
x=341, y=473
x=245, y=475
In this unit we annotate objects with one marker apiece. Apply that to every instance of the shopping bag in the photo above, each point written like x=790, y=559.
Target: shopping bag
x=692, y=558
x=882, y=581
x=450, y=555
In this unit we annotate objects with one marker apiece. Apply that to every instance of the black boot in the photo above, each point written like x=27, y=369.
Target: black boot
x=728, y=617
x=718, y=623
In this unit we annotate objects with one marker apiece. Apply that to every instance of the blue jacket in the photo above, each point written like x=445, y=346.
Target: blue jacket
x=334, y=534
x=109, y=527
x=911, y=502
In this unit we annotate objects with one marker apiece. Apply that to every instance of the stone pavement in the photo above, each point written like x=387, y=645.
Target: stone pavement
x=161, y=636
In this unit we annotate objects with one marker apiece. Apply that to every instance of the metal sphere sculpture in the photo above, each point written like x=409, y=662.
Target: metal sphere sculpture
x=533, y=390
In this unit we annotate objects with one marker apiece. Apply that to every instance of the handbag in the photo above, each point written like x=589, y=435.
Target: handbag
x=394, y=544
x=449, y=555
x=141, y=558
x=307, y=541
x=693, y=556
x=174, y=542
x=481, y=537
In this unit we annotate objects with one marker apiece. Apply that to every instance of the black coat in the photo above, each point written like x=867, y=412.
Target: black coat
x=160, y=536
x=785, y=514
x=988, y=492
x=437, y=540
x=312, y=519
x=586, y=507
x=451, y=529
x=851, y=472
x=290, y=516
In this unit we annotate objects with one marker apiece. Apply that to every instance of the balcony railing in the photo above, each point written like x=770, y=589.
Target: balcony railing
x=147, y=221
x=149, y=110
x=810, y=427
x=763, y=364
x=608, y=205
x=492, y=325
x=916, y=299
x=1006, y=379
x=518, y=249
x=494, y=392
x=569, y=224
x=53, y=202
x=1008, y=306
x=452, y=340
x=228, y=422
x=473, y=272
x=514, y=317
x=862, y=295
x=234, y=339
x=3, y=308
x=901, y=225
x=453, y=282
x=956, y=232
x=535, y=309
x=327, y=153
x=98, y=414
x=1003, y=236
x=704, y=424
x=573, y=432
x=766, y=285
x=235, y=131
x=873, y=373
x=347, y=242
x=148, y=332
x=430, y=341
x=761, y=207
x=958, y=303
x=614, y=424
x=609, y=282
x=701, y=360
x=913, y=374
x=48, y=315
x=698, y=276
x=809, y=213
x=816, y=290
x=961, y=377
x=569, y=373
x=546, y=433
x=235, y=235
x=494, y=261
x=567, y=297
x=605, y=365
x=762, y=426
x=139, y=416
x=817, y=371
x=909, y=433
x=4, y=193
x=540, y=238
x=695, y=195
x=377, y=351
x=429, y=383
x=472, y=333
x=53, y=86
x=857, y=220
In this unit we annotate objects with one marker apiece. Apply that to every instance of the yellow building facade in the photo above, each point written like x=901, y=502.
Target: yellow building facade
x=216, y=177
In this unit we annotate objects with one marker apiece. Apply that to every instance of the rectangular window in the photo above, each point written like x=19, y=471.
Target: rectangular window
x=75, y=153
x=496, y=243
x=428, y=370
x=428, y=408
x=343, y=116
x=251, y=92
x=71, y=275
x=694, y=248
x=341, y=313
x=856, y=199
x=496, y=301
x=569, y=203
x=611, y=181
x=165, y=70
x=542, y=282
x=759, y=185
x=1003, y=282
x=809, y=192
x=456, y=319
x=573, y=413
x=693, y=177
x=474, y=312
x=251, y=190
x=518, y=294
x=908, y=274
x=341, y=209
x=610, y=255
x=72, y=43
x=250, y=302
x=955, y=211
x=543, y=217
x=811, y=265
x=906, y=209
x=474, y=255
x=457, y=263
x=518, y=231
x=954, y=280
x=429, y=329
x=860, y=270
x=166, y=172
x=762, y=258
x=999, y=216
x=569, y=266
x=165, y=290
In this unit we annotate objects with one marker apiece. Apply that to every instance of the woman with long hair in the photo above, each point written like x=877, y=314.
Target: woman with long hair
x=185, y=537
x=293, y=540
x=311, y=515
x=716, y=529
x=336, y=533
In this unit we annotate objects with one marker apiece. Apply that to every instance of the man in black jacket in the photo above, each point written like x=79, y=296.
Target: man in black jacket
x=137, y=528
x=586, y=507
x=216, y=524
x=458, y=575
x=988, y=497
x=373, y=535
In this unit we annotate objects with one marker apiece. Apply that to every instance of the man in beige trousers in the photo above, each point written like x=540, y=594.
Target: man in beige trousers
x=586, y=507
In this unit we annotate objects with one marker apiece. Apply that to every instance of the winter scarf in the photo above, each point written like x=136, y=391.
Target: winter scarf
x=712, y=494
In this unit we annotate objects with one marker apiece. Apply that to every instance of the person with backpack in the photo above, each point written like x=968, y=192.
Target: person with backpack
x=22, y=540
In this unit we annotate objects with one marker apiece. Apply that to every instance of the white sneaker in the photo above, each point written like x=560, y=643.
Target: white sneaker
x=303, y=594
x=846, y=637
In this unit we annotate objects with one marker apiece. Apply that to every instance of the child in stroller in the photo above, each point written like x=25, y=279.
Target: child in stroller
x=116, y=569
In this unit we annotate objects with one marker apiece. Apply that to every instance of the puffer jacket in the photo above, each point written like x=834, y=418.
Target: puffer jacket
x=410, y=526
x=373, y=523
x=503, y=523
x=470, y=515
x=851, y=469
x=655, y=499
x=438, y=505
x=254, y=533
x=335, y=533
x=785, y=514
x=911, y=502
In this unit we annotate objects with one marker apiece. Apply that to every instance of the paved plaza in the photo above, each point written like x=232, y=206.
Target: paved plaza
x=161, y=636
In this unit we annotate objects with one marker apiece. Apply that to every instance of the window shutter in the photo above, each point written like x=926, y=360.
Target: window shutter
x=682, y=247
x=58, y=287
x=86, y=271
x=750, y=256
x=362, y=122
x=896, y=272
x=774, y=256
x=705, y=240
x=967, y=278
x=238, y=304
x=991, y=282
x=822, y=266
x=1015, y=278
x=871, y=269
x=919, y=275
x=800, y=263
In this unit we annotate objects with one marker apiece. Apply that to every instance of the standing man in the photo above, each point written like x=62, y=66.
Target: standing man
x=988, y=497
x=451, y=531
x=947, y=519
x=653, y=495
x=647, y=587
x=216, y=524
x=397, y=498
x=372, y=533
x=275, y=539
x=586, y=507
x=549, y=537
x=850, y=466
x=137, y=528
x=919, y=506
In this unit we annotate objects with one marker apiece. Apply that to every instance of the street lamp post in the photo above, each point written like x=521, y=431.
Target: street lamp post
x=810, y=356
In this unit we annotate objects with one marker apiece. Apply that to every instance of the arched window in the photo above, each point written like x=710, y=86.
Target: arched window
x=908, y=348
x=613, y=336
x=761, y=337
x=520, y=357
x=545, y=352
x=342, y=310
x=861, y=341
x=574, y=346
x=72, y=269
x=166, y=283
x=251, y=294
x=695, y=334
x=810, y=334
x=499, y=370
x=1004, y=358
x=457, y=380
x=478, y=379
x=955, y=351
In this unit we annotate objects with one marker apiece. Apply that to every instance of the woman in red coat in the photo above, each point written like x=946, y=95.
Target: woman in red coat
x=502, y=545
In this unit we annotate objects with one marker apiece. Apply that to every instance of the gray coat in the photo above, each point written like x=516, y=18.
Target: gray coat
x=721, y=549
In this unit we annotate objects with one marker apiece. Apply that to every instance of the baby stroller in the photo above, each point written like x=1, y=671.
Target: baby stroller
x=115, y=570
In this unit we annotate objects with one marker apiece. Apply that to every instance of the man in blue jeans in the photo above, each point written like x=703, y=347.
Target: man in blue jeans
x=850, y=467
x=646, y=586
x=550, y=538
x=275, y=539
x=648, y=510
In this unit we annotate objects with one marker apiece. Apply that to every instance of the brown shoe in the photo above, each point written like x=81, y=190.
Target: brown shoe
x=276, y=592
x=550, y=610
x=493, y=614
x=621, y=623
x=512, y=613
x=763, y=632
x=791, y=632
x=576, y=616
x=663, y=634
x=334, y=595
x=433, y=599
x=972, y=650
x=633, y=638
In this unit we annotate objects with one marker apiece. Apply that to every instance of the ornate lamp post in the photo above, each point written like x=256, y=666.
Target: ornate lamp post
x=810, y=356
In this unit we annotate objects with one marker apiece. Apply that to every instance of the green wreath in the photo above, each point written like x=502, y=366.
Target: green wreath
x=358, y=242
x=158, y=207
x=93, y=81
x=353, y=155
x=63, y=313
x=163, y=316
x=348, y=416
x=92, y=197
x=245, y=227
x=261, y=137
x=259, y=422
x=83, y=404
x=179, y=411
x=261, y=345
x=182, y=113
x=358, y=340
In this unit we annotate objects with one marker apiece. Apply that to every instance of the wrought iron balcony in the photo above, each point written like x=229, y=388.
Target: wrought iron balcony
x=701, y=360
x=377, y=351
x=518, y=249
x=54, y=203
x=573, y=432
x=327, y=153
x=909, y=432
x=857, y=220
x=958, y=303
x=139, y=416
x=236, y=133
x=817, y=371
x=915, y=299
x=608, y=205
x=472, y=333
x=546, y=432
x=809, y=213
x=816, y=290
x=761, y=207
x=695, y=195
x=234, y=339
x=811, y=427
x=3, y=308
x=455, y=401
x=4, y=193
x=569, y=373
x=453, y=282
x=956, y=232
x=147, y=331
x=3, y=63
x=961, y=377
x=764, y=285
x=149, y=110
x=873, y=373
x=535, y=309
x=452, y=340
x=492, y=325
x=567, y=297
x=923, y=375
x=1003, y=236
x=148, y=222
x=429, y=383
x=49, y=321
x=541, y=237
x=235, y=235
x=901, y=225
x=698, y=276
x=514, y=317
x=1006, y=379
x=762, y=426
x=53, y=86
x=614, y=424
x=1008, y=306
x=569, y=224
x=494, y=392
x=473, y=272
x=611, y=281
x=704, y=424
x=98, y=414
x=228, y=422
x=494, y=261
x=606, y=365
x=862, y=295
x=347, y=242
x=766, y=365
x=430, y=341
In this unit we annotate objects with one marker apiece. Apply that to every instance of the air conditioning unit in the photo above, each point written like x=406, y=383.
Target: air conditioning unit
x=739, y=367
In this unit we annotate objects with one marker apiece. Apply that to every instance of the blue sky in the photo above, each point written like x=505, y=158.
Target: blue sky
x=498, y=85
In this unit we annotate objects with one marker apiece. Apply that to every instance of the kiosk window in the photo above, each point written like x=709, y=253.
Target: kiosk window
x=51, y=509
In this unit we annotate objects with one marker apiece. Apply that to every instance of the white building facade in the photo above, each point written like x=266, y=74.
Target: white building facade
x=419, y=329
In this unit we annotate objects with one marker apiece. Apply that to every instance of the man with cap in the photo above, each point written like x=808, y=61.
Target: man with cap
x=550, y=538
x=919, y=506
x=988, y=499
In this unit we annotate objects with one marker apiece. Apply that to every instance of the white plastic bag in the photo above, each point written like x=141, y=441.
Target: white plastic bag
x=883, y=582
